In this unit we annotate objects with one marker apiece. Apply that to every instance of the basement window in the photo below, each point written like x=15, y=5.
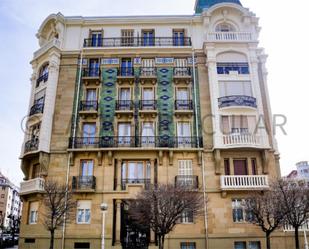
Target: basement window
x=81, y=245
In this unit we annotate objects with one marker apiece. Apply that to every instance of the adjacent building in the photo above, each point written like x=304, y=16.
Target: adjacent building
x=301, y=172
x=10, y=202
x=119, y=103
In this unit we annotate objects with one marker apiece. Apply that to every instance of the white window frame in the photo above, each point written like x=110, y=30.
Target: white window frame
x=83, y=206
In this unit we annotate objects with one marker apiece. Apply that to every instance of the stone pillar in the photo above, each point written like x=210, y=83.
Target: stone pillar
x=118, y=221
x=118, y=172
x=152, y=168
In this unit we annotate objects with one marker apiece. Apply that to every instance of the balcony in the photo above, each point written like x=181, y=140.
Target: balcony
x=124, y=107
x=148, y=107
x=237, y=101
x=186, y=181
x=247, y=182
x=84, y=183
x=88, y=108
x=182, y=74
x=230, y=37
x=43, y=78
x=241, y=140
x=148, y=74
x=135, y=181
x=137, y=42
x=134, y=142
x=32, y=186
x=183, y=107
x=126, y=74
x=31, y=145
x=91, y=75
x=36, y=109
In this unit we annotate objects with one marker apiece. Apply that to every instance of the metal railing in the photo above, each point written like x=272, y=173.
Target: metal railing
x=183, y=105
x=236, y=182
x=148, y=71
x=186, y=181
x=91, y=72
x=32, y=145
x=88, y=105
x=134, y=142
x=237, y=100
x=124, y=105
x=126, y=181
x=43, y=78
x=148, y=104
x=83, y=182
x=230, y=36
x=32, y=186
x=182, y=71
x=36, y=108
x=126, y=71
x=137, y=42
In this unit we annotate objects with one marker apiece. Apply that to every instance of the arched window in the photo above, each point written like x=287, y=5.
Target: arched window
x=43, y=75
x=225, y=27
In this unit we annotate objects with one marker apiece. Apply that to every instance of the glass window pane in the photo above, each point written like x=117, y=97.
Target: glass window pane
x=87, y=215
x=80, y=215
x=240, y=245
x=254, y=245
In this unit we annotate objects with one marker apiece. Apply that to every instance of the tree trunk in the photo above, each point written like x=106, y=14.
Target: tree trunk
x=296, y=238
x=161, y=241
x=267, y=240
x=52, y=237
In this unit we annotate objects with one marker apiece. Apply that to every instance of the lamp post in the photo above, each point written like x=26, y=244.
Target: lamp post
x=306, y=242
x=103, y=208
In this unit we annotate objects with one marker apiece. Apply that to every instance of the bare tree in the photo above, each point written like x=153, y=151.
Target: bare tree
x=295, y=201
x=265, y=210
x=162, y=206
x=59, y=206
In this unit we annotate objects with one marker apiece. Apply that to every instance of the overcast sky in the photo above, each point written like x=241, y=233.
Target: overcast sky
x=284, y=35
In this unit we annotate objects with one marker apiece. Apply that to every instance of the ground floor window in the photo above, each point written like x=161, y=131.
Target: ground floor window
x=83, y=212
x=251, y=245
x=187, y=245
x=254, y=245
x=240, y=245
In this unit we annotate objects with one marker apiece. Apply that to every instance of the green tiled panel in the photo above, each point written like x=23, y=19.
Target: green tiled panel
x=165, y=101
x=108, y=101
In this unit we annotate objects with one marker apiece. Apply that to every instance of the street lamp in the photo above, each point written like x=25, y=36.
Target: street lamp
x=306, y=242
x=103, y=208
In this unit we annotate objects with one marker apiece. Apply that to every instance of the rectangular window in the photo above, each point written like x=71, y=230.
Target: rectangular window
x=227, y=67
x=124, y=99
x=179, y=37
x=187, y=216
x=254, y=166
x=187, y=245
x=235, y=88
x=96, y=38
x=94, y=68
x=81, y=245
x=148, y=67
x=86, y=168
x=148, y=134
x=254, y=245
x=236, y=124
x=227, y=170
x=240, y=245
x=33, y=212
x=29, y=240
x=240, y=214
x=126, y=67
x=240, y=167
x=91, y=95
x=135, y=173
x=124, y=134
x=127, y=37
x=83, y=212
x=89, y=133
x=184, y=134
x=183, y=99
x=148, y=38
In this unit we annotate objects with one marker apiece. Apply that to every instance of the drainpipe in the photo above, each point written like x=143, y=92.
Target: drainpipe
x=198, y=145
x=73, y=145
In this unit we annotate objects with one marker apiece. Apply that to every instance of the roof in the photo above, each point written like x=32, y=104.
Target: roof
x=205, y=4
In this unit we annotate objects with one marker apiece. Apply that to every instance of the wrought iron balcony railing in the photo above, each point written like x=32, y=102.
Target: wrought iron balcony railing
x=186, y=181
x=183, y=105
x=36, y=108
x=126, y=72
x=91, y=72
x=126, y=181
x=226, y=68
x=182, y=71
x=148, y=104
x=237, y=100
x=83, y=182
x=138, y=42
x=148, y=71
x=87, y=105
x=134, y=142
x=124, y=105
x=42, y=78
x=31, y=145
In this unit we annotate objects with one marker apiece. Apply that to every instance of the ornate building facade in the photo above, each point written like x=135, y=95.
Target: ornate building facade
x=119, y=103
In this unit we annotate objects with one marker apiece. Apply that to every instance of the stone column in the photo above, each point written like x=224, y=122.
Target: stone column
x=118, y=172
x=152, y=168
x=118, y=221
